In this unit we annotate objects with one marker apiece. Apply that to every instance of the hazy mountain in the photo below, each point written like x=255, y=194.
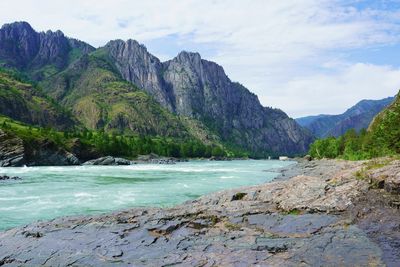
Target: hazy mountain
x=357, y=117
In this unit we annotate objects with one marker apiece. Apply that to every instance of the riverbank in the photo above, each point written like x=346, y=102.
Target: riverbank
x=336, y=213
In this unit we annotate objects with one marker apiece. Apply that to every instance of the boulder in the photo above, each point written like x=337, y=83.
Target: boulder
x=48, y=153
x=108, y=160
x=6, y=177
x=148, y=157
x=11, y=150
x=14, y=152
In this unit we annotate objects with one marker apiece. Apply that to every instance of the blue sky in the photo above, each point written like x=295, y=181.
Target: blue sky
x=303, y=56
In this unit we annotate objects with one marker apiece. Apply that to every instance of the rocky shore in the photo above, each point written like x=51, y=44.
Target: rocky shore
x=317, y=213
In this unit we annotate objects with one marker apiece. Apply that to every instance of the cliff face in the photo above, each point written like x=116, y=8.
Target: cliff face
x=99, y=87
x=357, y=117
x=14, y=152
x=101, y=99
x=39, y=54
x=139, y=67
x=200, y=89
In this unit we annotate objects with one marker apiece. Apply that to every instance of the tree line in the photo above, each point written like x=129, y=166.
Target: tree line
x=123, y=145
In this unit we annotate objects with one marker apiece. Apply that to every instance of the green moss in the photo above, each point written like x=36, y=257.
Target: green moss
x=232, y=227
x=293, y=212
x=360, y=174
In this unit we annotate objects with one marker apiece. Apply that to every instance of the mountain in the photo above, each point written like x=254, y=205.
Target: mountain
x=384, y=131
x=123, y=88
x=39, y=54
x=196, y=88
x=357, y=117
x=380, y=139
x=24, y=102
x=102, y=100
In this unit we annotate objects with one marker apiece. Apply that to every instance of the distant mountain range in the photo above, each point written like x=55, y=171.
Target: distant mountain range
x=123, y=88
x=357, y=117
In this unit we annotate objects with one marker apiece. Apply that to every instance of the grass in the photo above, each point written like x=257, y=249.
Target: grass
x=374, y=164
x=293, y=212
x=377, y=163
x=360, y=174
x=232, y=227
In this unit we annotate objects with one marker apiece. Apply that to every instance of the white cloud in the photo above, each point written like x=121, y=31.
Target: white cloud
x=281, y=50
x=333, y=94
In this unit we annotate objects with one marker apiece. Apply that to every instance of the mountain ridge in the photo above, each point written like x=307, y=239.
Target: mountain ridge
x=186, y=86
x=356, y=117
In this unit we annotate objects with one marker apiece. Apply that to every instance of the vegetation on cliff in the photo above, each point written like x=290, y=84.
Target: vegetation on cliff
x=357, y=117
x=124, y=90
x=381, y=139
x=87, y=144
x=23, y=101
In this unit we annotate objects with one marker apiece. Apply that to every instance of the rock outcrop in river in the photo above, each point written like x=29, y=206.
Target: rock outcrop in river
x=332, y=214
x=14, y=152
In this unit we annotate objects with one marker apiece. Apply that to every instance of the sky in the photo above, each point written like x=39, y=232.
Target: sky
x=305, y=57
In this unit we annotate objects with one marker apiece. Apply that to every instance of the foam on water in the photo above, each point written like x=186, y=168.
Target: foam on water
x=49, y=192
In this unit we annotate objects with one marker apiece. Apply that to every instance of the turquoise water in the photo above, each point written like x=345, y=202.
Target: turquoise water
x=50, y=192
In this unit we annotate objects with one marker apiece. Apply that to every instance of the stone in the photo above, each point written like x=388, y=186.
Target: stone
x=11, y=150
x=308, y=157
x=108, y=160
x=5, y=177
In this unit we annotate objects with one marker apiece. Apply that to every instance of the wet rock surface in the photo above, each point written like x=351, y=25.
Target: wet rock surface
x=324, y=220
x=108, y=160
x=14, y=152
x=156, y=159
x=6, y=177
x=11, y=150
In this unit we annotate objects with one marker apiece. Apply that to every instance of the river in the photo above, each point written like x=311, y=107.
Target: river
x=49, y=192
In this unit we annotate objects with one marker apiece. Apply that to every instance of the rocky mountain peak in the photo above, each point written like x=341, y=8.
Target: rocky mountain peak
x=140, y=67
x=18, y=26
x=193, y=87
x=18, y=43
x=130, y=45
x=37, y=53
x=187, y=85
x=185, y=56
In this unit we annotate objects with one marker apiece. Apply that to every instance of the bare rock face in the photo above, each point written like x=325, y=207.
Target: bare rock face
x=203, y=91
x=191, y=86
x=11, y=150
x=24, y=48
x=108, y=160
x=186, y=85
x=20, y=33
x=140, y=68
x=14, y=152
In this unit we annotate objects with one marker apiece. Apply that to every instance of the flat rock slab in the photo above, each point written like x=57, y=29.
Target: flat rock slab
x=259, y=239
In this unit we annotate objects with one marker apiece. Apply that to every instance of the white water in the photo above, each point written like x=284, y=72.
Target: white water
x=49, y=192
